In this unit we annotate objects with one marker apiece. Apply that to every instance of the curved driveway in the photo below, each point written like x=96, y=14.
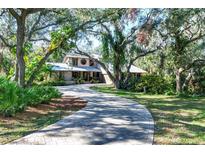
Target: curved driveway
x=107, y=119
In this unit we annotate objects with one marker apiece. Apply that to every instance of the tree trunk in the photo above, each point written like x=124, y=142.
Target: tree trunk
x=19, y=51
x=188, y=78
x=178, y=81
x=116, y=69
x=16, y=72
x=117, y=84
x=128, y=75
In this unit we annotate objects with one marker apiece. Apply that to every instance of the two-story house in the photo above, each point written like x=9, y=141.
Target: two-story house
x=76, y=66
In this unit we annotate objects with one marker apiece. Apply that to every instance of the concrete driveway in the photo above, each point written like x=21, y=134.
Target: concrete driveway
x=107, y=119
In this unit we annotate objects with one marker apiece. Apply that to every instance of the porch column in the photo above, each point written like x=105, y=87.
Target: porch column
x=81, y=74
x=89, y=76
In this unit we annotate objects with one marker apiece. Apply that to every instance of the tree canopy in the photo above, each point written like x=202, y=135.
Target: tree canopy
x=167, y=42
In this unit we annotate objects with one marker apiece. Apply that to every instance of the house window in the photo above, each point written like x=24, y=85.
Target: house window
x=83, y=61
x=75, y=61
x=76, y=74
x=91, y=63
x=96, y=74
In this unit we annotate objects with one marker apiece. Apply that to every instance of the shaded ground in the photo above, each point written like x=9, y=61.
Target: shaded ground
x=35, y=118
x=177, y=120
x=107, y=119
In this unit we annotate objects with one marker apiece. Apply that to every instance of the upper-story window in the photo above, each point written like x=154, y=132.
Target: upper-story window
x=83, y=61
x=91, y=63
x=75, y=61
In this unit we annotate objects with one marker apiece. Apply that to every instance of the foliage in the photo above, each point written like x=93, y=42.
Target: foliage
x=53, y=83
x=31, y=63
x=94, y=80
x=40, y=94
x=184, y=29
x=10, y=98
x=118, y=36
x=14, y=99
x=161, y=41
x=32, y=120
x=154, y=84
x=79, y=80
x=197, y=83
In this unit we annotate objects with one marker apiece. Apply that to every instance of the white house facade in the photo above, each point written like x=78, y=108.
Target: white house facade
x=76, y=67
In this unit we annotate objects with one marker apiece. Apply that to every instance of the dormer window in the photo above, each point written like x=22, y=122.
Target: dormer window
x=83, y=61
x=91, y=63
x=75, y=61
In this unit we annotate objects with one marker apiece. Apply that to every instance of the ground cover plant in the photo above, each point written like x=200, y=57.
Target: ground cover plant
x=15, y=99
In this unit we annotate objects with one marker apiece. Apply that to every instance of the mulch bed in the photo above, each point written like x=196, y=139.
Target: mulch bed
x=38, y=117
x=67, y=102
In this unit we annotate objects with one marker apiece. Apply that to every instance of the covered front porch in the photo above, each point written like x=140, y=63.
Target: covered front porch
x=77, y=76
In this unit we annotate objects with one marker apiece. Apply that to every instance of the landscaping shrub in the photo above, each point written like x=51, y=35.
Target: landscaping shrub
x=10, y=98
x=154, y=84
x=54, y=83
x=79, y=80
x=94, y=80
x=41, y=94
x=14, y=99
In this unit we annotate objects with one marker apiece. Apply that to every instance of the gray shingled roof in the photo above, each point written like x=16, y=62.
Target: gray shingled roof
x=66, y=67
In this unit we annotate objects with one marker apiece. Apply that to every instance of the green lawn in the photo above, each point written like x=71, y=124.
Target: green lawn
x=177, y=120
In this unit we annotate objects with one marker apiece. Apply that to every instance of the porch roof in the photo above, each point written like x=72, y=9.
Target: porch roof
x=66, y=67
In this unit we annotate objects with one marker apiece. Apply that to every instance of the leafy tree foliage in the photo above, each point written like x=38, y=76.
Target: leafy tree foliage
x=184, y=30
x=125, y=38
x=165, y=42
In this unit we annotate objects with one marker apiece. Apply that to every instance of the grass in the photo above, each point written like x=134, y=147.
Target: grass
x=177, y=120
x=33, y=119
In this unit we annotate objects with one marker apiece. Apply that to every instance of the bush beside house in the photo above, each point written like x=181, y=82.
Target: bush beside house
x=155, y=84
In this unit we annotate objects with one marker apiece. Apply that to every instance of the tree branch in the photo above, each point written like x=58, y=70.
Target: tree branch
x=5, y=42
x=110, y=35
x=14, y=13
x=33, y=10
x=195, y=38
x=40, y=39
x=144, y=53
x=202, y=61
x=34, y=25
